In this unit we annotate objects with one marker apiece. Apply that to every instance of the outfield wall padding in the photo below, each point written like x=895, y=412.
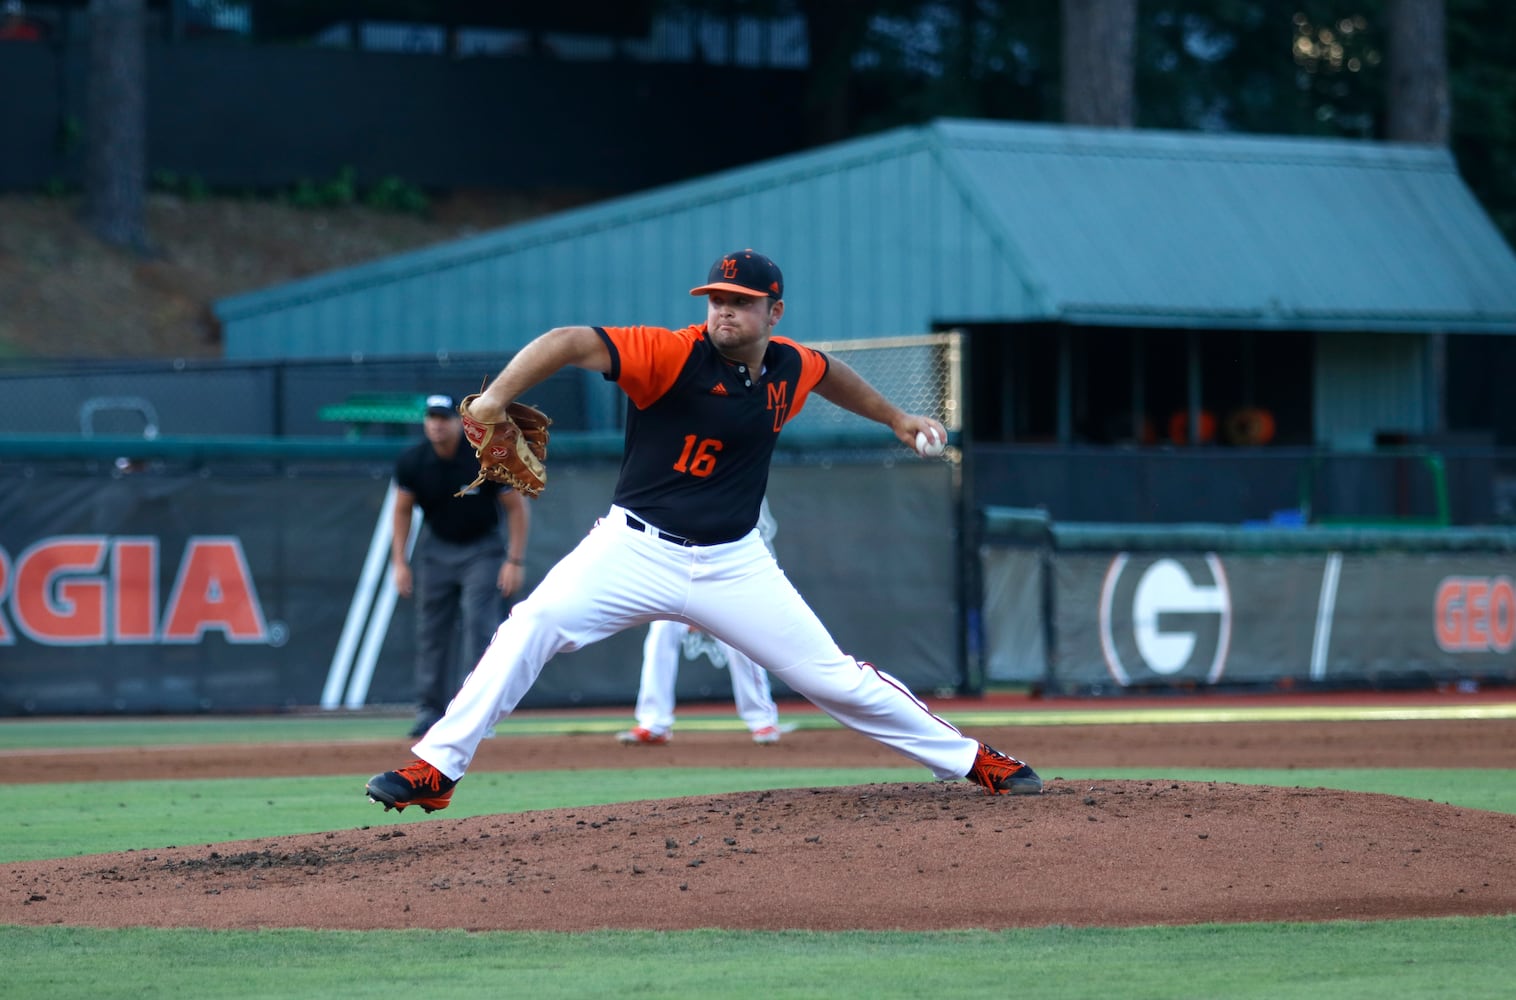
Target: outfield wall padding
x=182, y=592
x=1189, y=607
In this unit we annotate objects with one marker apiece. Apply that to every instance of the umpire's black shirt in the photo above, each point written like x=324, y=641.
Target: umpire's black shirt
x=433, y=480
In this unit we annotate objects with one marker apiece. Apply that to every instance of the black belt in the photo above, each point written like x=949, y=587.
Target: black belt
x=636, y=525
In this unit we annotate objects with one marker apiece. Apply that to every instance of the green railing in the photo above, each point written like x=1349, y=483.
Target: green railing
x=394, y=413
x=1406, y=460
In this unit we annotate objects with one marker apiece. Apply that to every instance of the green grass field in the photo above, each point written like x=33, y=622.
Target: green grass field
x=1466, y=958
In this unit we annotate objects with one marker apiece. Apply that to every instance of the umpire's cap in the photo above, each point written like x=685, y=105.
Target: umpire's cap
x=440, y=406
x=746, y=272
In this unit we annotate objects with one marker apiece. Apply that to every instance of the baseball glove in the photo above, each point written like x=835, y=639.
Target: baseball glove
x=513, y=451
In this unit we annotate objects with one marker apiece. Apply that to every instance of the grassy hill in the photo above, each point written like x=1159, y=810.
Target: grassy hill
x=63, y=294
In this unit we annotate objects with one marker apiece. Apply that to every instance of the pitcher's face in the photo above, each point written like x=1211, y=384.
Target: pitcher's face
x=738, y=323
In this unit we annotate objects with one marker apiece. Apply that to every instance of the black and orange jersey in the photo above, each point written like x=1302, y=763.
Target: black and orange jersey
x=701, y=430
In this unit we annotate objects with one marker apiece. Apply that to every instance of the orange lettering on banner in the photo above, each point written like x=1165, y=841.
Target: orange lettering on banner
x=52, y=604
x=1476, y=598
x=1502, y=614
x=134, y=611
x=1475, y=614
x=214, y=590
x=1448, y=614
x=59, y=595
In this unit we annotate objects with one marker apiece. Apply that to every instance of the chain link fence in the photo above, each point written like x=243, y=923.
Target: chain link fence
x=920, y=373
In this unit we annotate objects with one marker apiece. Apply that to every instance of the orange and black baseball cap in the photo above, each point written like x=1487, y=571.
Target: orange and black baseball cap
x=746, y=272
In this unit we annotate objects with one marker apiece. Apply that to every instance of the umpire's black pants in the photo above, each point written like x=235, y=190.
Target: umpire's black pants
x=454, y=583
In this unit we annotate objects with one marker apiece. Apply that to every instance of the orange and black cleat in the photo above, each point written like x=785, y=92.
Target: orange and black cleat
x=1002, y=774
x=416, y=784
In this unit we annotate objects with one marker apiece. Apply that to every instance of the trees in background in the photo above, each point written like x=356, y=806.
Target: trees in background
x=115, y=156
x=835, y=30
x=1417, y=108
x=1411, y=70
x=1099, y=69
x=1434, y=71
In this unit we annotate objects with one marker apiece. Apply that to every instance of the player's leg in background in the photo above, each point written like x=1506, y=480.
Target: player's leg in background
x=754, y=697
x=479, y=600
x=655, y=689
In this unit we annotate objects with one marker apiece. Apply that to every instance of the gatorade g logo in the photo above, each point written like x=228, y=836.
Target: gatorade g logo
x=1166, y=617
x=92, y=590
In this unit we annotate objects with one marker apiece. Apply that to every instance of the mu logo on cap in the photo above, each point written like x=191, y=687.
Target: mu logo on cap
x=745, y=272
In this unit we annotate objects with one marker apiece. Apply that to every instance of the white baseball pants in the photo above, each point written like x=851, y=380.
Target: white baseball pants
x=619, y=578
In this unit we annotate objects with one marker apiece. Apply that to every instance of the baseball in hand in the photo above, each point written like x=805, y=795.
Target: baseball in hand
x=929, y=444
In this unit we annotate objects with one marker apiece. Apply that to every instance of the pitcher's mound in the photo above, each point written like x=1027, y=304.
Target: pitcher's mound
x=886, y=856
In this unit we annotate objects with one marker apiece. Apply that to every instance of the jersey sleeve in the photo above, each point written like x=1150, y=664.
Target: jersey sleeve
x=813, y=368
x=646, y=360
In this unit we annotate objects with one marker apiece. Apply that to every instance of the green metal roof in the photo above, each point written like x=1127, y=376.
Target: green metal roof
x=955, y=221
x=1182, y=229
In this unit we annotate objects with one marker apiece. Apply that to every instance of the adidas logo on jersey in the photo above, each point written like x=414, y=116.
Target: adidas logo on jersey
x=720, y=390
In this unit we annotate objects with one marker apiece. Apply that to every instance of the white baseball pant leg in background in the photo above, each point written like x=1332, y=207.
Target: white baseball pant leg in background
x=751, y=691
x=662, y=657
x=660, y=670
x=617, y=578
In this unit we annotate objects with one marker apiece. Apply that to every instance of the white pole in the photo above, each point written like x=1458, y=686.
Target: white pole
x=1326, y=608
x=357, y=611
x=379, y=624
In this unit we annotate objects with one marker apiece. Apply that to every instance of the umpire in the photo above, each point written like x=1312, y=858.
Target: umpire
x=461, y=562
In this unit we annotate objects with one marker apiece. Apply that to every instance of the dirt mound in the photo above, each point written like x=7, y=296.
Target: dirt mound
x=911, y=856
